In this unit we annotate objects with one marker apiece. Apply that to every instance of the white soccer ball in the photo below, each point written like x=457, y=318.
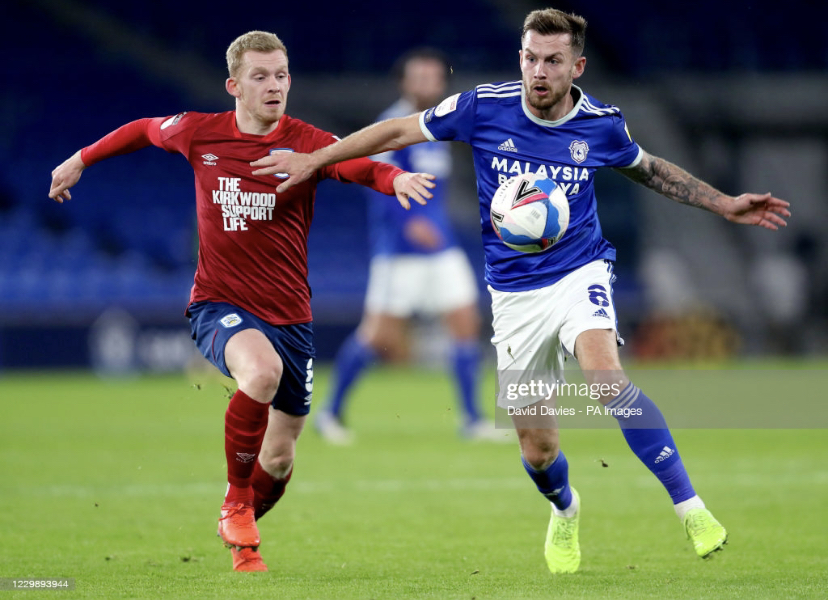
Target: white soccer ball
x=530, y=213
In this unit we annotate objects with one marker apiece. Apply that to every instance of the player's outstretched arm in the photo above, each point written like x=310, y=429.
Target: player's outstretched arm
x=392, y=134
x=128, y=138
x=64, y=176
x=677, y=184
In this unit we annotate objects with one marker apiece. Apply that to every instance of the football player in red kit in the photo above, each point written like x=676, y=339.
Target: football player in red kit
x=250, y=303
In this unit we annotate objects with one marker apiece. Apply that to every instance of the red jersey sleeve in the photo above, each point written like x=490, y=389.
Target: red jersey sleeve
x=128, y=138
x=173, y=134
x=375, y=175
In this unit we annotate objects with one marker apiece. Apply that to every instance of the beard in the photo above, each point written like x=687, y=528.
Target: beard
x=543, y=103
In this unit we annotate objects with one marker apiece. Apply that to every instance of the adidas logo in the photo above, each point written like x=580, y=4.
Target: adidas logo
x=666, y=453
x=600, y=313
x=508, y=146
x=244, y=457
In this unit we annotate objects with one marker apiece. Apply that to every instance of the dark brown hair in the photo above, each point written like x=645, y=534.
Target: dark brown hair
x=422, y=53
x=550, y=21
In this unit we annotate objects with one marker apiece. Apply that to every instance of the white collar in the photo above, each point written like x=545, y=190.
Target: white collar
x=560, y=121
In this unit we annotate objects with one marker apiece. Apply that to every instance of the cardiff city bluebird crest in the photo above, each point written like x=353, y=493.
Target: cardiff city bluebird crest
x=578, y=150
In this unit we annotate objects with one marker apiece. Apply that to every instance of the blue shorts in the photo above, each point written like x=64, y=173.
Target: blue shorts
x=212, y=324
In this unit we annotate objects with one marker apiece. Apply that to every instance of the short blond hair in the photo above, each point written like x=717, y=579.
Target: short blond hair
x=257, y=41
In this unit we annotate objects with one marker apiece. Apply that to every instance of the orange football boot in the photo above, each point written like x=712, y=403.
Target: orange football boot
x=247, y=559
x=237, y=525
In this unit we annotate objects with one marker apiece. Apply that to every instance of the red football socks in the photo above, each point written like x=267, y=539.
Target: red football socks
x=245, y=423
x=267, y=490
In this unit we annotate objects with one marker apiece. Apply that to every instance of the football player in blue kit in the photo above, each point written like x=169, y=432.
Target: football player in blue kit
x=417, y=268
x=561, y=298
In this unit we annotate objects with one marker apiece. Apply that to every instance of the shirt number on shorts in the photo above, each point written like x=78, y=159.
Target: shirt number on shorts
x=309, y=377
x=598, y=295
x=309, y=383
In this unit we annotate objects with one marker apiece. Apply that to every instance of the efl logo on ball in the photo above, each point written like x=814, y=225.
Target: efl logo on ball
x=530, y=213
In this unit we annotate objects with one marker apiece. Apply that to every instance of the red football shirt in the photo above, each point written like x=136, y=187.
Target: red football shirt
x=252, y=241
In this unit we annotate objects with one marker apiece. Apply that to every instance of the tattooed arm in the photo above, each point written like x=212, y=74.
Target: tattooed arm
x=677, y=184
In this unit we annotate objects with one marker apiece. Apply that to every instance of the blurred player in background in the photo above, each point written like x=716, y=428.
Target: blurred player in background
x=416, y=268
x=561, y=298
x=250, y=303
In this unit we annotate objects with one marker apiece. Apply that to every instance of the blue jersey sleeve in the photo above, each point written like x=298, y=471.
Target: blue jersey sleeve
x=451, y=120
x=622, y=151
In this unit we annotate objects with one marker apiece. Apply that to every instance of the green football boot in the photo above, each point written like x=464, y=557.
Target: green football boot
x=706, y=533
x=562, y=551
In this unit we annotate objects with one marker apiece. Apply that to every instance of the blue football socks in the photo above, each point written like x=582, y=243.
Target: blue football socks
x=466, y=367
x=351, y=360
x=553, y=482
x=647, y=434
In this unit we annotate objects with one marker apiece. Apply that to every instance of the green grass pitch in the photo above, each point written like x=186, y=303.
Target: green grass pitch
x=117, y=484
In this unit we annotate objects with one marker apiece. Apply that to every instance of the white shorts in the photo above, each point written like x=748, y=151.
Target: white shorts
x=428, y=284
x=533, y=328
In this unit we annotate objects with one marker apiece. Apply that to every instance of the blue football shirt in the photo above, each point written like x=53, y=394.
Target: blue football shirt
x=387, y=220
x=508, y=140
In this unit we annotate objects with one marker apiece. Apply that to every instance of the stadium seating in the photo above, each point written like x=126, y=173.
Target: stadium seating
x=128, y=235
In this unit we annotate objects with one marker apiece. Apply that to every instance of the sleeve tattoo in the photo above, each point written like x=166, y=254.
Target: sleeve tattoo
x=674, y=182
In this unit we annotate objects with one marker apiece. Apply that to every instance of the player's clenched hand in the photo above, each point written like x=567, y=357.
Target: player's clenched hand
x=414, y=186
x=65, y=176
x=758, y=209
x=297, y=165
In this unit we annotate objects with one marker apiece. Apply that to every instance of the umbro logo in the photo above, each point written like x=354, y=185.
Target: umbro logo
x=601, y=313
x=666, y=453
x=244, y=457
x=210, y=159
x=508, y=146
